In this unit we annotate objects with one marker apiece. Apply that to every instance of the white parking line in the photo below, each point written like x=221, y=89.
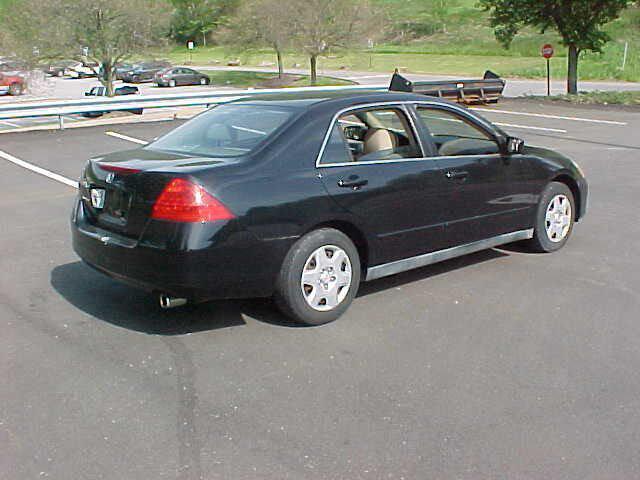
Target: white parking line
x=526, y=127
x=555, y=117
x=126, y=137
x=3, y=122
x=38, y=170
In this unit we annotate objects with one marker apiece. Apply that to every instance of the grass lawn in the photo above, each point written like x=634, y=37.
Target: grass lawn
x=260, y=79
x=416, y=59
x=601, y=98
x=461, y=42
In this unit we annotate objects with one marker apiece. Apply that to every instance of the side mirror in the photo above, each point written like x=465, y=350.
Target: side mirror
x=514, y=145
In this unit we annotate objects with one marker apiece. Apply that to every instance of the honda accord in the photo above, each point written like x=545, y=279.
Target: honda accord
x=303, y=196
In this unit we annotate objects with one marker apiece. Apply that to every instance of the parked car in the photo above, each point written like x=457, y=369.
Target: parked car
x=175, y=76
x=59, y=68
x=144, y=72
x=12, y=65
x=123, y=68
x=12, y=83
x=302, y=197
x=83, y=70
x=101, y=91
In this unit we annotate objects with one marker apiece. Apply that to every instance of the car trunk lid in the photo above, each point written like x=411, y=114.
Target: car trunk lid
x=119, y=190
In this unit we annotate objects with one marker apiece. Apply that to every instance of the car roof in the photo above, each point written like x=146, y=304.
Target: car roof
x=335, y=99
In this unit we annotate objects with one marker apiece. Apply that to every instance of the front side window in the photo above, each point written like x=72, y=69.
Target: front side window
x=454, y=135
x=230, y=130
x=374, y=134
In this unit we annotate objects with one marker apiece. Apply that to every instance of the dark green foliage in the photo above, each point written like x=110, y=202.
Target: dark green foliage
x=193, y=20
x=579, y=23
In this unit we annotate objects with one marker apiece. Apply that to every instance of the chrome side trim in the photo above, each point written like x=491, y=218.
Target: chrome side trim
x=398, y=266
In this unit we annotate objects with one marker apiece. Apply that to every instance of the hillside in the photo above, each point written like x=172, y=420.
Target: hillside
x=457, y=27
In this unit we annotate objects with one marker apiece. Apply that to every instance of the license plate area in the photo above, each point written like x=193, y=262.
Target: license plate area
x=117, y=204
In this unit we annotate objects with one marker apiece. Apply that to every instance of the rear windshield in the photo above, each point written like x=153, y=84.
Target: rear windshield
x=225, y=131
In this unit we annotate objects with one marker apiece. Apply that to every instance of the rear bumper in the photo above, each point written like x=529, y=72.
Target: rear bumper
x=210, y=261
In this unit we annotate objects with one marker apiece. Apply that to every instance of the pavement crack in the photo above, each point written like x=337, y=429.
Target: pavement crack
x=189, y=448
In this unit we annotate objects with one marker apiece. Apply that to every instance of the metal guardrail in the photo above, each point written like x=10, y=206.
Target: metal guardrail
x=131, y=102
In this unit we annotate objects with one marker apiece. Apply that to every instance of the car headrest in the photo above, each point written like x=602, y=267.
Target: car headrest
x=379, y=139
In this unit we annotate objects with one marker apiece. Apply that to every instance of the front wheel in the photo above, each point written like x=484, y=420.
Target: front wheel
x=554, y=218
x=319, y=277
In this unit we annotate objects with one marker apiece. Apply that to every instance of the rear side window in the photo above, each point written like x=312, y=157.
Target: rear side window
x=336, y=150
x=371, y=134
x=229, y=130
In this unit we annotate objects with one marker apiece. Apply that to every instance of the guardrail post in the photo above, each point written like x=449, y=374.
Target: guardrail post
x=61, y=122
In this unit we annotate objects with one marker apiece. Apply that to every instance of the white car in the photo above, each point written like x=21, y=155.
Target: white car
x=82, y=70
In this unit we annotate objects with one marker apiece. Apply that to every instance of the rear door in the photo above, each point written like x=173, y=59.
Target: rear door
x=482, y=189
x=373, y=165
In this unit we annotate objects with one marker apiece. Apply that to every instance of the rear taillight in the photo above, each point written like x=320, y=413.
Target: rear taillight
x=184, y=201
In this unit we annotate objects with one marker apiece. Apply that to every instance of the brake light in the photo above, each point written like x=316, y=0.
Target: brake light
x=184, y=201
x=119, y=170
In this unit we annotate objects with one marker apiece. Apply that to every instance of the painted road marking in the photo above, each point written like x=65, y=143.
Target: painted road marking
x=525, y=127
x=126, y=137
x=555, y=117
x=38, y=170
x=9, y=123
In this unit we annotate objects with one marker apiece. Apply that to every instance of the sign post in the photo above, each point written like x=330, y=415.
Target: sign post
x=190, y=47
x=547, y=52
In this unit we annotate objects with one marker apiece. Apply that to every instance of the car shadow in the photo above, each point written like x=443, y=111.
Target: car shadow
x=125, y=307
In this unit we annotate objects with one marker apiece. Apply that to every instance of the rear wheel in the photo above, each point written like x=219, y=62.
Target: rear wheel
x=554, y=218
x=172, y=83
x=319, y=277
x=15, y=89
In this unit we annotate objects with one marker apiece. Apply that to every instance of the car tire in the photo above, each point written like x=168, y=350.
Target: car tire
x=15, y=89
x=555, y=218
x=60, y=73
x=172, y=83
x=135, y=79
x=324, y=298
x=204, y=81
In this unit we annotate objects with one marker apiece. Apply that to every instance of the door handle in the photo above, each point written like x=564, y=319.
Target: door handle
x=355, y=184
x=457, y=175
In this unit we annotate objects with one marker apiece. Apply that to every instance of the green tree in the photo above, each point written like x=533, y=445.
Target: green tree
x=196, y=19
x=260, y=23
x=579, y=23
x=106, y=32
x=321, y=26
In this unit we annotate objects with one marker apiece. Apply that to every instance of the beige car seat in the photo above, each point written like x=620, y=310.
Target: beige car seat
x=378, y=140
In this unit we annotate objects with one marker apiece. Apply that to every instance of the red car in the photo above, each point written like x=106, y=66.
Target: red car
x=12, y=83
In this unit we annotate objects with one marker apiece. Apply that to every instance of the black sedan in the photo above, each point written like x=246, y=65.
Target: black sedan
x=143, y=72
x=302, y=197
x=173, y=77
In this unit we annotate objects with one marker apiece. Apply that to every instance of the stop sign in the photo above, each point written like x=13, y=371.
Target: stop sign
x=547, y=51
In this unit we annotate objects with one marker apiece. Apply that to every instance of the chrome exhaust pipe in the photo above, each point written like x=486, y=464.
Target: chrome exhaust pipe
x=167, y=302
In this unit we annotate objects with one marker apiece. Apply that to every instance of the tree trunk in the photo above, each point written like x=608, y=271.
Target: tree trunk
x=280, y=66
x=204, y=39
x=572, y=75
x=107, y=77
x=314, y=69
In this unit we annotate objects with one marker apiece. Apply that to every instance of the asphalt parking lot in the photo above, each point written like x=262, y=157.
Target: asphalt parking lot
x=499, y=365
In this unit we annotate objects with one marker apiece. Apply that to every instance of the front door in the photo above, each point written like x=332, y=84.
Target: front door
x=482, y=191
x=373, y=166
